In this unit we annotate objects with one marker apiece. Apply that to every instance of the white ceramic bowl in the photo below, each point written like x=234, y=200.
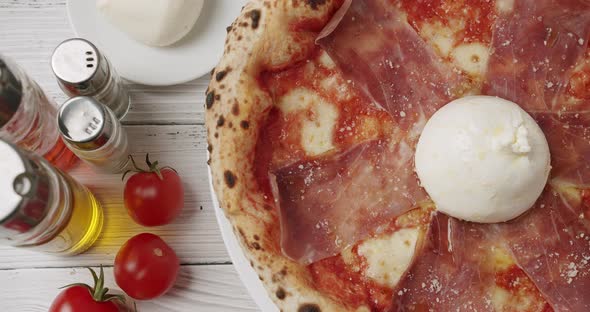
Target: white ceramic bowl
x=190, y=58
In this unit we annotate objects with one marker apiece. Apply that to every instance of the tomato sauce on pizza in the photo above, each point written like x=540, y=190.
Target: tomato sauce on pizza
x=476, y=17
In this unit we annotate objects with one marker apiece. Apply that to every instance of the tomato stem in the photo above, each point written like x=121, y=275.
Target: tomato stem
x=152, y=167
x=135, y=164
x=147, y=160
x=99, y=293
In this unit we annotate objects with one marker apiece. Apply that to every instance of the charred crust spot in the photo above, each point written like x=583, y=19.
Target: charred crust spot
x=314, y=4
x=220, y=121
x=228, y=28
x=211, y=97
x=255, y=16
x=260, y=277
x=309, y=307
x=221, y=74
x=217, y=97
x=230, y=124
x=212, y=72
x=256, y=237
x=281, y=293
x=280, y=275
x=283, y=272
x=256, y=246
x=245, y=124
x=216, y=135
x=210, y=148
x=235, y=109
x=230, y=179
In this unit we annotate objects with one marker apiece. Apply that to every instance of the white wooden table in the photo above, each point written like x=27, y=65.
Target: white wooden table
x=168, y=123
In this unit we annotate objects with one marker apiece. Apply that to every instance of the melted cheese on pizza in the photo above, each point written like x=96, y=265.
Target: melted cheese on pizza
x=389, y=256
x=513, y=288
x=471, y=57
x=318, y=119
x=460, y=31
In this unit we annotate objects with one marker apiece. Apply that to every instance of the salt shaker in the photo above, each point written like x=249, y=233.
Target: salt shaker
x=93, y=132
x=27, y=116
x=43, y=208
x=81, y=69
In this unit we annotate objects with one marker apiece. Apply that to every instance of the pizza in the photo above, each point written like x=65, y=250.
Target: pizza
x=313, y=116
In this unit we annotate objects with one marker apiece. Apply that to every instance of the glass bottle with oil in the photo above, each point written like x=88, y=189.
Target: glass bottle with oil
x=27, y=116
x=43, y=208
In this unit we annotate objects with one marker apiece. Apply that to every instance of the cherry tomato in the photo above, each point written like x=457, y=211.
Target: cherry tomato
x=83, y=298
x=79, y=299
x=154, y=197
x=146, y=267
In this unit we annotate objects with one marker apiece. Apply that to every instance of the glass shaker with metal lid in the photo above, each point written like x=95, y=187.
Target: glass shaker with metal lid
x=81, y=69
x=93, y=132
x=27, y=116
x=44, y=208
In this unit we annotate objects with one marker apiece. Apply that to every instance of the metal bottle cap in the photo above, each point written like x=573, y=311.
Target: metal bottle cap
x=80, y=68
x=85, y=123
x=24, y=191
x=11, y=93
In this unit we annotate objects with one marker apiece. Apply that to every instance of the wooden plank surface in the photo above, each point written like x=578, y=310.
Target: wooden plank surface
x=198, y=288
x=167, y=122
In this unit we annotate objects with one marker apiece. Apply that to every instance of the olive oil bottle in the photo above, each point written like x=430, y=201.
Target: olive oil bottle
x=43, y=208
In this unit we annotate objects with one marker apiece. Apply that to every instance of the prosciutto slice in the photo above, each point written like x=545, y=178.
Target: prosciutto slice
x=449, y=271
x=568, y=135
x=330, y=203
x=551, y=244
x=389, y=63
x=535, y=49
x=453, y=268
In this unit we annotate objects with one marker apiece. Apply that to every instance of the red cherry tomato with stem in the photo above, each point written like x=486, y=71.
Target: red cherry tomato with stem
x=83, y=298
x=155, y=196
x=146, y=267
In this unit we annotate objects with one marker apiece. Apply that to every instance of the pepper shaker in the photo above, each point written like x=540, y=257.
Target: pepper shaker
x=81, y=69
x=27, y=116
x=43, y=208
x=93, y=132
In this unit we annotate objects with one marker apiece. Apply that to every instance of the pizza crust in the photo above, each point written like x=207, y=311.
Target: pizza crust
x=236, y=108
